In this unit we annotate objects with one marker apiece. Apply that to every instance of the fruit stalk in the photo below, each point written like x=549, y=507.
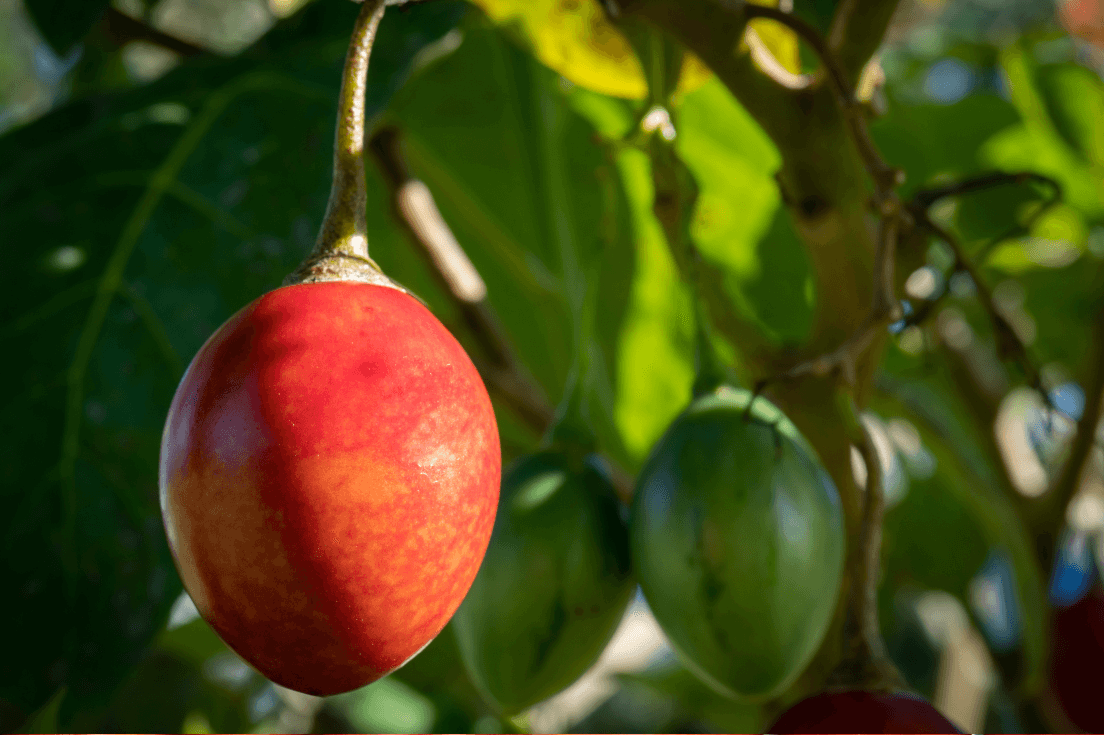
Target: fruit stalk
x=341, y=251
x=865, y=663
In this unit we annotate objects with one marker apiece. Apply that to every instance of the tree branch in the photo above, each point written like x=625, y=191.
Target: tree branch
x=885, y=178
x=675, y=195
x=1056, y=499
x=415, y=209
x=857, y=30
x=121, y=29
x=925, y=198
x=712, y=30
x=1009, y=344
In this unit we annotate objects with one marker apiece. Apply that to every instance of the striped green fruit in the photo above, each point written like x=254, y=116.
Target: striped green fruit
x=554, y=583
x=737, y=539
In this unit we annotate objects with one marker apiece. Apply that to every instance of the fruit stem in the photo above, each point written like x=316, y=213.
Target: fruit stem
x=710, y=371
x=865, y=663
x=341, y=250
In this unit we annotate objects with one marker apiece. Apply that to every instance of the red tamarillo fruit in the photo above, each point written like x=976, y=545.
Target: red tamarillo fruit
x=330, y=463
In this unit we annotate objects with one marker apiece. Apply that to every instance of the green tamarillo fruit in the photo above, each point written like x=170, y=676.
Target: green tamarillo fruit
x=554, y=583
x=737, y=539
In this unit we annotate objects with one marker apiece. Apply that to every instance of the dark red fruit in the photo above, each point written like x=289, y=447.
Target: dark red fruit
x=862, y=712
x=1077, y=661
x=329, y=478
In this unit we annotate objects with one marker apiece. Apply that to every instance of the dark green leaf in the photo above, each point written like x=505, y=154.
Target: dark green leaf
x=64, y=22
x=141, y=222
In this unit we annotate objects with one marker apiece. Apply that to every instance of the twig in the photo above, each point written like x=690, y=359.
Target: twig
x=506, y=377
x=121, y=29
x=925, y=198
x=1009, y=344
x=1056, y=499
x=865, y=662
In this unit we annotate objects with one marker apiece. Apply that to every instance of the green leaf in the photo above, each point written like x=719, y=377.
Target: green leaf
x=1074, y=99
x=64, y=22
x=740, y=223
x=143, y=221
x=655, y=364
x=1048, y=145
x=930, y=140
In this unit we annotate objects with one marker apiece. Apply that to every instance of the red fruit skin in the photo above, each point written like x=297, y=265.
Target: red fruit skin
x=862, y=712
x=329, y=479
x=1077, y=661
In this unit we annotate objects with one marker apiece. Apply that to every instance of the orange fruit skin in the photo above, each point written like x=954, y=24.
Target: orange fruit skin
x=329, y=477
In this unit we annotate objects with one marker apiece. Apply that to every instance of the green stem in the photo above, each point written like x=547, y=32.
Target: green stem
x=710, y=371
x=341, y=250
x=344, y=229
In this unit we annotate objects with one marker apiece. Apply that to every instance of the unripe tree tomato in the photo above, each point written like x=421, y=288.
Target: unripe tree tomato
x=737, y=539
x=553, y=586
x=1077, y=660
x=329, y=479
x=863, y=712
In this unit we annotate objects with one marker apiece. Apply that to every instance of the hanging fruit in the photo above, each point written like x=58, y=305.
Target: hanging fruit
x=862, y=711
x=553, y=586
x=737, y=539
x=1077, y=660
x=330, y=462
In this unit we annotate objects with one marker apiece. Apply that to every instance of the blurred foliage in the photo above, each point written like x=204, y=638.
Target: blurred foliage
x=140, y=213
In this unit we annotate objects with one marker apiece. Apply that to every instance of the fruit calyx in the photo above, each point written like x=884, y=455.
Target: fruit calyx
x=341, y=251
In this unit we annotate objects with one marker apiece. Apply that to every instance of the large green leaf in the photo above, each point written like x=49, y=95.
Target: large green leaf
x=1053, y=146
x=136, y=225
x=740, y=223
x=520, y=179
x=655, y=352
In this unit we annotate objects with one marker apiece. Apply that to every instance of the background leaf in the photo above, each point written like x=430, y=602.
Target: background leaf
x=64, y=22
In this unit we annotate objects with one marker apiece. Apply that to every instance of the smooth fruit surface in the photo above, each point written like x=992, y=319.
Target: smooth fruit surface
x=862, y=712
x=329, y=478
x=1077, y=661
x=553, y=586
x=737, y=540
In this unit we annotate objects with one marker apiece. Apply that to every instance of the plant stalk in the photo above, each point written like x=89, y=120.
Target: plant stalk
x=341, y=251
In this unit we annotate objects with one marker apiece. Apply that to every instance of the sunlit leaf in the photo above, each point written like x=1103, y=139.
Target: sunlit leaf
x=577, y=40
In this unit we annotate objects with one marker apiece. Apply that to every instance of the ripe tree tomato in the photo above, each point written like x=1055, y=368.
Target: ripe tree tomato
x=329, y=478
